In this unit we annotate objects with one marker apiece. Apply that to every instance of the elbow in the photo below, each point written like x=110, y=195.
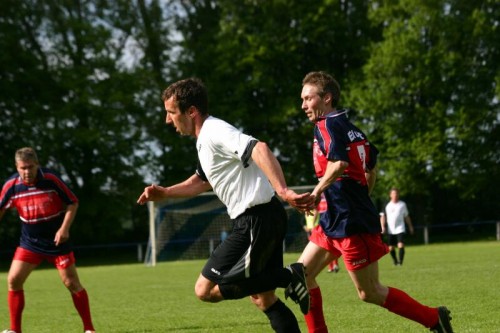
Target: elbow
x=260, y=147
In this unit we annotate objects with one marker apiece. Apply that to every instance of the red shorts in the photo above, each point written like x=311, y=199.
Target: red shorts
x=359, y=250
x=61, y=262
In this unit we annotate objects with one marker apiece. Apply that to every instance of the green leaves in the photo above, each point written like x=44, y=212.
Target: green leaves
x=81, y=82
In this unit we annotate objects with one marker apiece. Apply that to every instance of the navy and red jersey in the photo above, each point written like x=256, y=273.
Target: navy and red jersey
x=41, y=208
x=350, y=209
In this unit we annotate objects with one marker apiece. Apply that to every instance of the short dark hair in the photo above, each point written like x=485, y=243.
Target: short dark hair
x=188, y=92
x=326, y=84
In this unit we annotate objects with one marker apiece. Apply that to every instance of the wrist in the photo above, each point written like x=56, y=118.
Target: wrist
x=283, y=193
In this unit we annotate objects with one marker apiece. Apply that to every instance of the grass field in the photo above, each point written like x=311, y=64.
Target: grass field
x=135, y=298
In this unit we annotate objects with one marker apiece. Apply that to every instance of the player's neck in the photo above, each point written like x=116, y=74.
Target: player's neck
x=199, y=124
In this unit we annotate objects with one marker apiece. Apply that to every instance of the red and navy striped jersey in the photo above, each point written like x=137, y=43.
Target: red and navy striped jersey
x=350, y=209
x=41, y=208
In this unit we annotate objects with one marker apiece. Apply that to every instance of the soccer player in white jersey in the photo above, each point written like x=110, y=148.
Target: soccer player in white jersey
x=247, y=178
x=393, y=222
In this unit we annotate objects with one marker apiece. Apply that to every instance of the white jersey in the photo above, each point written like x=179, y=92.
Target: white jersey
x=395, y=217
x=226, y=162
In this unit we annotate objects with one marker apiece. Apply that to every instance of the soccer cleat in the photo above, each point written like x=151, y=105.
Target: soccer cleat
x=443, y=325
x=8, y=331
x=297, y=289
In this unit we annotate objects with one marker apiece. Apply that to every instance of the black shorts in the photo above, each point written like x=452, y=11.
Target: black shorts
x=393, y=240
x=254, y=246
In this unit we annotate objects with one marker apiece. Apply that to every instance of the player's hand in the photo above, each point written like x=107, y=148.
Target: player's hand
x=61, y=236
x=304, y=202
x=151, y=193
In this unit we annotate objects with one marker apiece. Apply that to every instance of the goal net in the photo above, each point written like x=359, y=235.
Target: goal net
x=191, y=228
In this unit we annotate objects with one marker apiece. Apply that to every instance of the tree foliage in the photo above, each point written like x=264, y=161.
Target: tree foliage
x=81, y=82
x=432, y=102
x=254, y=54
x=70, y=90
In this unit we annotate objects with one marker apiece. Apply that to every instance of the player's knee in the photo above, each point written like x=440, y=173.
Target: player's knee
x=263, y=301
x=371, y=296
x=14, y=282
x=366, y=296
x=72, y=285
x=202, y=292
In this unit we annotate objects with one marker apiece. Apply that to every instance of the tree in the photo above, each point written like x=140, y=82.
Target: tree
x=253, y=55
x=72, y=87
x=429, y=96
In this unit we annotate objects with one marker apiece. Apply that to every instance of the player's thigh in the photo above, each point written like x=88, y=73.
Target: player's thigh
x=68, y=273
x=400, y=239
x=392, y=240
x=315, y=258
x=18, y=273
x=225, y=257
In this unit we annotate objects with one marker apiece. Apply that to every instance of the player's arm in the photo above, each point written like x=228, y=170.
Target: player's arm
x=409, y=224
x=62, y=235
x=371, y=177
x=267, y=162
x=382, y=222
x=192, y=186
x=334, y=169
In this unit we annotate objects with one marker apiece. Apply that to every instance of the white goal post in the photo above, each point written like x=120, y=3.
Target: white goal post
x=181, y=229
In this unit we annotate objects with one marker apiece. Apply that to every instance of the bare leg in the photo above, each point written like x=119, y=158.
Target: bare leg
x=70, y=279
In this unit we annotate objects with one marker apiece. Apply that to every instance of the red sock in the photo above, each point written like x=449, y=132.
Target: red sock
x=15, y=298
x=81, y=302
x=314, y=318
x=400, y=303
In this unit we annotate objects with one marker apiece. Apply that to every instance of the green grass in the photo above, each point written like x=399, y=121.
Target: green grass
x=135, y=298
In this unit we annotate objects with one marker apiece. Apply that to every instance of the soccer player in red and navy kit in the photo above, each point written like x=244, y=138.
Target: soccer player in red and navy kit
x=344, y=162
x=46, y=207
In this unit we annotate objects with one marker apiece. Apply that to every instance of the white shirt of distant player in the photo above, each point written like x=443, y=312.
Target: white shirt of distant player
x=395, y=217
x=220, y=150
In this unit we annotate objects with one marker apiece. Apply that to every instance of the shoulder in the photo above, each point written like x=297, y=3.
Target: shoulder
x=214, y=127
x=212, y=122
x=48, y=173
x=11, y=178
x=10, y=182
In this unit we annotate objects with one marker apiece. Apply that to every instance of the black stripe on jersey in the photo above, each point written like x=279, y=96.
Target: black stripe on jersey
x=200, y=172
x=248, y=153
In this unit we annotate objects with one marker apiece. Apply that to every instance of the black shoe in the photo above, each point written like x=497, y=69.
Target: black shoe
x=297, y=289
x=443, y=325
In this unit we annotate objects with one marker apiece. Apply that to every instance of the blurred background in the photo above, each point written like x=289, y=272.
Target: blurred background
x=80, y=81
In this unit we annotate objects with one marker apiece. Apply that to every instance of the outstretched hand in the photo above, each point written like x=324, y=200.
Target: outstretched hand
x=151, y=193
x=303, y=202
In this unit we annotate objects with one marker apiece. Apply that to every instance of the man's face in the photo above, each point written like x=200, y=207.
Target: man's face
x=183, y=122
x=394, y=196
x=312, y=103
x=27, y=171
